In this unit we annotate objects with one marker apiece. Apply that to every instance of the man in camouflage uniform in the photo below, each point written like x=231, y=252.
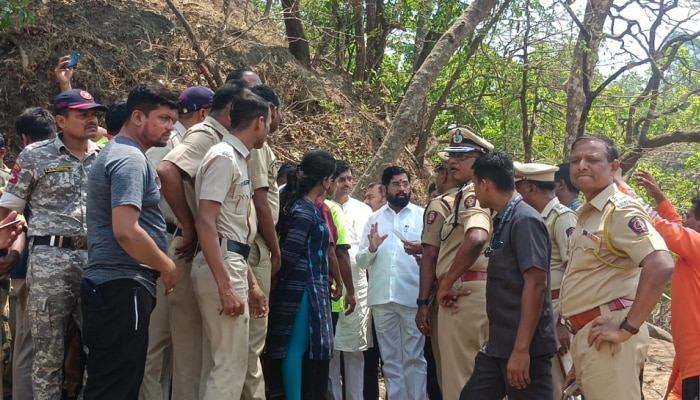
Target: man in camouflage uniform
x=51, y=177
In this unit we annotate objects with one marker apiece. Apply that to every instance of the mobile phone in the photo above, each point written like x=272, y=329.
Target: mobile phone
x=72, y=61
x=9, y=224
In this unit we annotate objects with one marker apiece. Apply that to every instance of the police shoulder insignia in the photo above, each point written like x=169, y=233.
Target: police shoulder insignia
x=638, y=225
x=15, y=170
x=470, y=201
x=570, y=231
x=431, y=217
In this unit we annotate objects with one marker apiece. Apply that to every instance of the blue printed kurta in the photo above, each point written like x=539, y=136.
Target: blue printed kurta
x=304, y=249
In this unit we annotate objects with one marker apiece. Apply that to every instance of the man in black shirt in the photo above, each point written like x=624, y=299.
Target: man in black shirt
x=517, y=358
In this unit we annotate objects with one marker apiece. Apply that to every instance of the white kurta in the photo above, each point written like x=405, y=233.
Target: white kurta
x=353, y=331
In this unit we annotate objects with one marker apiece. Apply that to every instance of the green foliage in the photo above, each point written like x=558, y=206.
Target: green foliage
x=14, y=11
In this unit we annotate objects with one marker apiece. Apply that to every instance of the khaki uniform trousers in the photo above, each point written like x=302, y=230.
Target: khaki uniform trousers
x=23, y=346
x=613, y=371
x=462, y=332
x=54, y=277
x=259, y=261
x=185, y=331
x=159, y=358
x=225, y=337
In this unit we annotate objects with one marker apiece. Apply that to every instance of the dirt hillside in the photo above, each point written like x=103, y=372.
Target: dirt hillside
x=125, y=42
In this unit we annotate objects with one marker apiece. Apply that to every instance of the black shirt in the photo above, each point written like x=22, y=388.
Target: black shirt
x=526, y=244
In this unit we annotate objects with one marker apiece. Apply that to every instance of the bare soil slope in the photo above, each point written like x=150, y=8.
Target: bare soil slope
x=124, y=42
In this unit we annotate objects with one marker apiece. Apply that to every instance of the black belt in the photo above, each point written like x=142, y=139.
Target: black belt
x=173, y=229
x=238, y=247
x=63, y=242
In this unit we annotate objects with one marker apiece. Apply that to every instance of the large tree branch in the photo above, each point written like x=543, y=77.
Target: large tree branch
x=630, y=158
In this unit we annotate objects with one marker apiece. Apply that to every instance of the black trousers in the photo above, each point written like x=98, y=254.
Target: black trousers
x=490, y=380
x=691, y=388
x=372, y=362
x=434, y=392
x=116, y=316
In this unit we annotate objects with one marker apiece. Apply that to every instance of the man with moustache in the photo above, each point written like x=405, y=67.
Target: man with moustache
x=127, y=247
x=390, y=236
x=461, y=268
x=618, y=268
x=51, y=177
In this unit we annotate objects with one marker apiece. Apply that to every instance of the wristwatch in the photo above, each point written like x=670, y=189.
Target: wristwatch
x=629, y=328
x=422, y=302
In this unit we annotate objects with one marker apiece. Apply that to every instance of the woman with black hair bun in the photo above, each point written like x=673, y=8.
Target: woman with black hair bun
x=300, y=311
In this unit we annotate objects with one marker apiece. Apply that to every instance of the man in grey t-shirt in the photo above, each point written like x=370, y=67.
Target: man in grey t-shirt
x=126, y=247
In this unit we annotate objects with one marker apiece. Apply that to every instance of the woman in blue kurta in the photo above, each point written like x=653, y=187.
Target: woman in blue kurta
x=300, y=311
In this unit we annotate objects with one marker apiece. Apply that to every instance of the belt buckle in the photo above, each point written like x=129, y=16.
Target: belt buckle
x=78, y=242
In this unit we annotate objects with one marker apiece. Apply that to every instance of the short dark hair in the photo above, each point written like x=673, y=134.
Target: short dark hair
x=695, y=201
x=564, y=174
x=285, y=168
x=236, y=74
x=432, y=187
x=610, y=148
x=148, y=96
x=116, y=116
x=497, y=167
x=224, y=96
x=37, y=123
x=246, y=108
x=267, y=93
x=342, y=166
x=544, y=186
x=373, y=185
x=390, y=172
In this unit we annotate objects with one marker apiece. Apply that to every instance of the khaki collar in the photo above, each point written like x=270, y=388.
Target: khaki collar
x=601, y=199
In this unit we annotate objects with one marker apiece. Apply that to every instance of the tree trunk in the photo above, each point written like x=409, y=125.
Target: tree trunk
x=424, y=10
x=578, y=87
x=406, y=119
x=377, y=31
x=361, y=52
x=298, y=44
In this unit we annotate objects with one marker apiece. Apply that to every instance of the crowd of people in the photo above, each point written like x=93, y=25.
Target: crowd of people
x=169, y=256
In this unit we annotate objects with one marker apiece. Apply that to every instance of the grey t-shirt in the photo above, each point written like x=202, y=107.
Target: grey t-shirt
x=120, y=176
x=526, y=244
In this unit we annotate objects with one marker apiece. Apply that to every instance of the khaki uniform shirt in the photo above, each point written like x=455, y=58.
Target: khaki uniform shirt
x=54, y=184
x=263, y=174
x=561, y=222
x=5, y=175
x=189, y=153
x=438, y=209
x=466, y=214
x=156, y=154
x=596, y=275
x=223, y=178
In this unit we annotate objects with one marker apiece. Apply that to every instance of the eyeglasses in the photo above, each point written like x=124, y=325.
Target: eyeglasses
x=400, y=185
x=462, y=156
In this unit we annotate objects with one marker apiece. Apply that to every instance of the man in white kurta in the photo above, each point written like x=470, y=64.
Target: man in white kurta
x=352, y=335
x=390, y=236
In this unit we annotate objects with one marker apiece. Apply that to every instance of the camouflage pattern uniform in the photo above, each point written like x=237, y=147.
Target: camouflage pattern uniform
x=5, y=334
x=54, y=184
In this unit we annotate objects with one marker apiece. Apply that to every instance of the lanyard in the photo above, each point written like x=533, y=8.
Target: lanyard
x=495, y=243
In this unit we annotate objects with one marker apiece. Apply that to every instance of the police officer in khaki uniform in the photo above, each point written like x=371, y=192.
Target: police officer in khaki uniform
x=618, y=268
x=226, y=224
x=265, y=257
x=461, y=269
x=435, y=213
x=535, y=182
x=51, y=176
x=194, y=104
x=177, y=172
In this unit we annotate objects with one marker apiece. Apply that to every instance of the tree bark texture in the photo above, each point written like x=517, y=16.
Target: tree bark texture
x=298, y=44
x=406, y=119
